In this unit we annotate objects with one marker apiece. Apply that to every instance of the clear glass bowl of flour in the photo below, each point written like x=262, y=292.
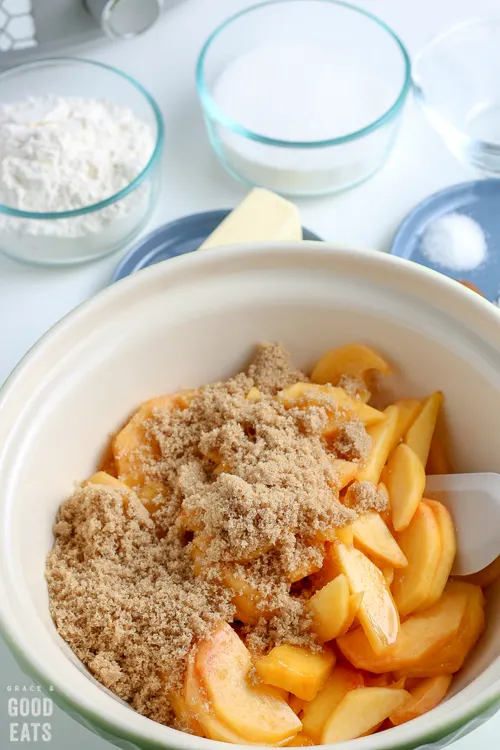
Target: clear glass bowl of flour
x=80, y=147
x=304, y=97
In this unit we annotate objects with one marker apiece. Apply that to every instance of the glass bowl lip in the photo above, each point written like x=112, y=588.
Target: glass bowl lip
x=216, y=113
x=160, y=135
x=418, y=88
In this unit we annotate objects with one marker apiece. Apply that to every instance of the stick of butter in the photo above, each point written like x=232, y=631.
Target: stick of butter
x=261, y=216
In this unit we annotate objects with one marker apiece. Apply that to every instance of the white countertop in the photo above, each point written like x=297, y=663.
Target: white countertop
x=33, y=299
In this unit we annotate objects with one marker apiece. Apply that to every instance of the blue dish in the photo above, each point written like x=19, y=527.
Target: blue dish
x=480, y=200
x=176, y=238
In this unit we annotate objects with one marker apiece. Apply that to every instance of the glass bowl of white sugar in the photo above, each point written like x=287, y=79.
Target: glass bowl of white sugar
x=304, y=97
x=80, y=148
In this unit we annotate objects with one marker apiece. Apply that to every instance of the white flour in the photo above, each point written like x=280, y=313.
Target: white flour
x=61, y=154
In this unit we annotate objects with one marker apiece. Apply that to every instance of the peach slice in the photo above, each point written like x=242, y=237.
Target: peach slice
x=256, y=713
x=424, y=697
x=352, y=359
x=448, y=551
x=377, y=612
x=316, y=713
x=246, y=599
x=296, y=669
x=405, y=481
x=408, y=408
x=438, y=461
x=132, y=446
x=345, y=534
x=200, y=718
x=360, y=711
x=345, y=472
x=388, y=573
x=130, y=500
x=337, y=403
x=421, y=543
x=300, y=740
x=485, y=577
x=254, y=394
x=419, y=436
x=330, y=608
x=384, y=438
x=420, y=637
x=451, y=658
x=105, y=480
x=296, y=704
x=373, y=537
x=354, y=605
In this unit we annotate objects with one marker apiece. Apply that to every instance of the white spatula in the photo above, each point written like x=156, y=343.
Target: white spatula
x=474, y=503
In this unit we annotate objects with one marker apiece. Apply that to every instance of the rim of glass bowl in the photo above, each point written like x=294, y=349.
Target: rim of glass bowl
x=216, y=113
x=160, y=132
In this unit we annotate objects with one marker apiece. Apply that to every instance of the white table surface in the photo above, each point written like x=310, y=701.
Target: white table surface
x=33, y=299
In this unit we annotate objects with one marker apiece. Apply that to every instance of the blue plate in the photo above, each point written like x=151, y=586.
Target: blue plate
x=177, y=238
x=481, y=201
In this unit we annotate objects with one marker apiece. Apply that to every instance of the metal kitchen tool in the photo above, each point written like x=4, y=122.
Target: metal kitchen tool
x=31, y=29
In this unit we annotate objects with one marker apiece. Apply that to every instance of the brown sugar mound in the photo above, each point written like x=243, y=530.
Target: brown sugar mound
x=248, y=487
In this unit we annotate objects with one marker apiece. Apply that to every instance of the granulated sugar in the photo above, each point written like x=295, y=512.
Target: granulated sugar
x=247, y=487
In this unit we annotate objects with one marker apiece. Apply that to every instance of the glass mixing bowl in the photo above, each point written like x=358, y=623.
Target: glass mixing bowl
x=455, y=79
x=369, y=84
x=90, y=232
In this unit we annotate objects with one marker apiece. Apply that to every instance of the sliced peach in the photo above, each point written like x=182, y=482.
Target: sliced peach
x=296, y=669
x=133, y=446
x=423, y=698
x=345, y=534
x=485, y=577
x=246, y=599
x=451, y=658
x=377, y=680
x=421, y=544
x=300, y=740
x=438, y=460
x=317, y=711
x=254, y=394
x=130, y=500
x=106, y=480
x=384, y=437
x=256, y=713
x=337, y=403
x=420, y=637
x=373, y=537
x=448, y=551
x=354, y=605
x=405, y=480
x=345, y=472
x=355, y=360
x=330, y=608
x=360, y=711
x=377, y=612
x=419, y=436
x=201, y=717
x=296, y=704
x=306, y=568
x=408, y=408
x=388, y=573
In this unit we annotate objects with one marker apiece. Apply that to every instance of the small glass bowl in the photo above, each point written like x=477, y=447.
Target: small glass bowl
x=346, y=153
x=455, y=79
x=66, y=237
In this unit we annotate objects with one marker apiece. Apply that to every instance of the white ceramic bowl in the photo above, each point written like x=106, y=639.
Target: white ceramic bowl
x=192, y=320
